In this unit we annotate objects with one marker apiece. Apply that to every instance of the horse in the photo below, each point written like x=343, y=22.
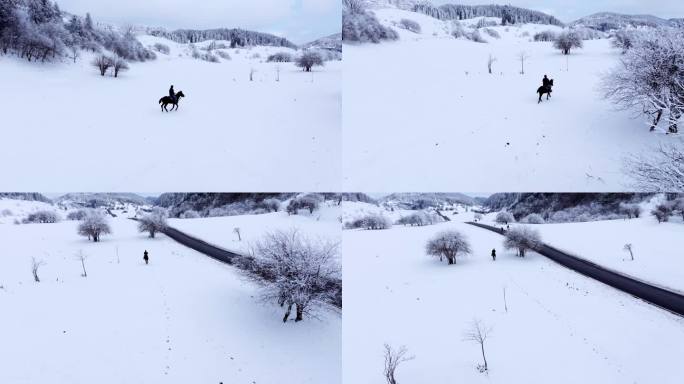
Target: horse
x=166, y=100
x=542, y=90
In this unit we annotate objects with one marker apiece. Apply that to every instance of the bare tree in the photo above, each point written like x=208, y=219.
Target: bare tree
x=308, y=60
x=628, y=247
x=102, y=63
x=504, y=217
x=490, y=60
x=522, y=56
x=236, y=230
x=251, y=74
x=153, y=222
x=35, y=265
x=522, y=239
x=479, y=333
x=394, y=358
x=75, y=52
x=119, y=65
x=93, y=226
x=294, y=271
x=663, y=171
x=448, y=244
x=80, y=256
x=566, y=41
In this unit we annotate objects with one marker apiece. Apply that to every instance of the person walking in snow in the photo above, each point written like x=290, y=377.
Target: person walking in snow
x=146, y=257
x=493, y=254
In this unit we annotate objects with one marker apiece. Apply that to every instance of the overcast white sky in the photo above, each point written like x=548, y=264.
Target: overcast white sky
x=300, y=21
x=570, y=10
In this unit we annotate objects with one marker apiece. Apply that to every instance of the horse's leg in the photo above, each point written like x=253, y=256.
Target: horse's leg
x=540, y=96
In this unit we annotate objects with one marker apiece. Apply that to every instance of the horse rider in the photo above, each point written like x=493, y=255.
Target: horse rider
x=172, y=94
x=546, y=82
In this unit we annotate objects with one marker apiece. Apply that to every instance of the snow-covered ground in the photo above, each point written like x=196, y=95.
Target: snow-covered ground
x=424, y=113
x=183, y=318
x=111, y=132
x=560, y=327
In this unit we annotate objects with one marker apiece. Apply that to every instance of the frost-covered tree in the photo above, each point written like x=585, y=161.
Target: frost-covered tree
x=504, y=217
x=119, y=65
x=102, y=63
x=522, y=239
x=295, y=270
x=279, y=57
x=448, y=245
x=410, y=25
x=662, y=212
x=190, y=214
x=566, y=41
x=371, y=222
x=661, y=171
x=77, y=215
x=623, y=40
x=650, y=77
x=309, y=202
x=153, y=222
x=94, y=225
x=308, y=60
x=479, y=333
x=394, y=358
x=533, y=218
x=508, y=14
x=477, y=217
x=271, y=205
x=630, y=210
x=42, y=217
x=545, y=36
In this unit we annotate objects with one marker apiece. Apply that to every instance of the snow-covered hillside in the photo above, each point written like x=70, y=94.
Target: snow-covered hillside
x=112, y=129
x=554, y=325
x=424, y=112
x=182, y=318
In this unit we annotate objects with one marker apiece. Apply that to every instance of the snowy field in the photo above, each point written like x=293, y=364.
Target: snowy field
x=75, y=122
x=425, y=108
x=560, y=327
x=183, y=318
x=323, y=224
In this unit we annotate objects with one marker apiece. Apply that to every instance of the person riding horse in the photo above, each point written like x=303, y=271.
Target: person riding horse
x=172, y=93
x=546, y=88
x=545, y=82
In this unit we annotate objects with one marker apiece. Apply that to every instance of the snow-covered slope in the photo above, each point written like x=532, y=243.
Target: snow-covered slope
x=105, y=133
x=183, y=318
x=424, y=113
x=559, y=326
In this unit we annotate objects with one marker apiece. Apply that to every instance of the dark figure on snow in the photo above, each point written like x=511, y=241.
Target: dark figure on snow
x=494, y=254
x=546, y=88
x=146, y=257
x=172, y=93
x=173, y=100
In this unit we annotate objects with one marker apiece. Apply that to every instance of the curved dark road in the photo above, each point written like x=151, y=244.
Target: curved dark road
x=666, y=299
x=240, y=261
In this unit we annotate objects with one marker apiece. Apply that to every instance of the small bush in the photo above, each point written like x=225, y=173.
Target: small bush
x=492, y=32
x=42, y=217
x=77, y=215
x=533, y=218
x=373, y=221
x=280, y=57
x=410, y=25
x=190, y=214
x=162, y=48
x=545, y=36
x=504, y=218
x=224, y=55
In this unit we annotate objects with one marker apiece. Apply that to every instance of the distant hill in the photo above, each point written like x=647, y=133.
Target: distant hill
x=27, y=196
x=329, y=43
x=610, y=21
x=513, y=15
x=237, y=37
x=427, y=200
x=96, y=200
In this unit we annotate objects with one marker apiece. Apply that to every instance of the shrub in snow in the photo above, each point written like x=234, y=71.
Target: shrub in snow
x=419, y=219
x=190, y=214
x=522, y=239
x=153, y=222
x=476, y=37
x=561, y=217
x=492, y=32
x=623, y=40
x=662, y=212
x=448, y=245
x=479, y=333
x=224, y=55
x=545, y=36
x=650, y=77
x=280, y=57
x=205, y=56
x=237, y=232
x=410, y=25
x=309, y=202
x=6, y=212
x=162, y=48
x=477, y=217
x=678, y=205
x=371, y=222
x=360, y=25
x=271, y=205
x=77, y=215
x=393, y=358
x=42, y=217
x=308, y=60
x=566, y=41
x=662, y=171
x=102, y=63
x=35, y=266
x=533, y=218
x=504, y=218
x=630, y=210
x=126, y=46
x=295, y=271
x=94, y=225
x=629, y=248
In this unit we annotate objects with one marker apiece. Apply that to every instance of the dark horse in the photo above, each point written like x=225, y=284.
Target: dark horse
x=542, y=90
x=166, y=100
